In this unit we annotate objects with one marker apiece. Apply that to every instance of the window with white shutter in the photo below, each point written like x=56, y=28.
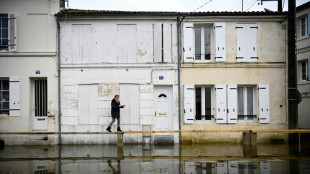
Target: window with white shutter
x=188, y=104
x=221, y=116
x=167, y=44
x=264, y=110
x=246, y=42
x=220, y=42
x=14, y=96
x=232, y=103
x=157, y=39
x=188, y=52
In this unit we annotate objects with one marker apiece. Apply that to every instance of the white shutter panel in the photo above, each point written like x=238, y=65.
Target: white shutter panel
x=264, y=111
x=232, y=103
x=167, y=42
x=251, y=44
x=188, y=52
x=93, y=104
x=12, y=32
x=264, y=167
x=14, y=96
x=221, y=104
x=157, y=43
x=220, y=42
x=241, y=43
x=189, y=101
x=221, y=167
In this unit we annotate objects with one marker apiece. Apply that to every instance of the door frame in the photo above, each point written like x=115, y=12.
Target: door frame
x=169, y=90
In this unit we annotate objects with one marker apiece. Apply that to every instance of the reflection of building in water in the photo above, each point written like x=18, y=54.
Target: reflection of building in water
x=231, y=167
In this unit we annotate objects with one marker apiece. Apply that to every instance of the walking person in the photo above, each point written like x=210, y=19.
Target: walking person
x=115, y=112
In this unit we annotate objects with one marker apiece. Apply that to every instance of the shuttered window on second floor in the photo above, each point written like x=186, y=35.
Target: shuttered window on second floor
x=246, y=42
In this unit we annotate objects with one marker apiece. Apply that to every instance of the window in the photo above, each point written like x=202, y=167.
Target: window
x=4, y=32
x=4, y=97
x=162, y=42
x=202, y=43
x=204, y=103
x=304, y=70
x=247, y=103
x=304, y=25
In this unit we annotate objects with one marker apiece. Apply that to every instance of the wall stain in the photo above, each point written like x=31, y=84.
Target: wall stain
x=141, y=52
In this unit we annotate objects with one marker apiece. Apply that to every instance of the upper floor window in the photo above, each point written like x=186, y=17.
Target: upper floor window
x=8, y=32
x=4, y=32
x=203, y=43
x=304, y=26
x=304, y=70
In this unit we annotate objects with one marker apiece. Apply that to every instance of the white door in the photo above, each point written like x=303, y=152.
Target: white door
x=40, y=105
x=163, y=107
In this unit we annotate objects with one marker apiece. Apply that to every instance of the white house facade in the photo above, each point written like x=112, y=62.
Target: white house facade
x=133, y=54
x=28, y=70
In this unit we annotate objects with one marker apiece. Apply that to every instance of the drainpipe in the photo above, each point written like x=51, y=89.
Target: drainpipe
x=58, y=69
x=179, y=88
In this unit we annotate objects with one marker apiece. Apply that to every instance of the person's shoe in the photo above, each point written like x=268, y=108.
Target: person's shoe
x=109, y=129
x=119, y=129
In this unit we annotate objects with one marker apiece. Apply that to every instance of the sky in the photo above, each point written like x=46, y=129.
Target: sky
x=177, y=5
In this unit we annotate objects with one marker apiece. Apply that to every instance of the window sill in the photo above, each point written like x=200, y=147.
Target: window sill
x=304, y=82
x=300, y=38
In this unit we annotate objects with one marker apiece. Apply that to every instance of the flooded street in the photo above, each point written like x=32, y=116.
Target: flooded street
x=133, y=159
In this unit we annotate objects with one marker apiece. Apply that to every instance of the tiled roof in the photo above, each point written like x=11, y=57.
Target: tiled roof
x=79, y=12
x=303, y=6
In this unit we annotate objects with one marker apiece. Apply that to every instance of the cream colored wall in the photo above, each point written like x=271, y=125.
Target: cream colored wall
x=269, y=69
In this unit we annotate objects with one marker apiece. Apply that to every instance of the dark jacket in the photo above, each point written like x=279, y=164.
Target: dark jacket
x=115, y=109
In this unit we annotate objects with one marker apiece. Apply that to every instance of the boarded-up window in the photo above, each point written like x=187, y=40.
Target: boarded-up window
x=88, y=104
x=127, y=43
x=81, y=43
x=129, y=96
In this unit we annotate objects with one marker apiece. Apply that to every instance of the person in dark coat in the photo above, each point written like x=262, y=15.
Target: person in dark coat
x=115, y=112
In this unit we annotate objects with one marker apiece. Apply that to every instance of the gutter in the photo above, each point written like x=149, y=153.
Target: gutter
x=59, y=71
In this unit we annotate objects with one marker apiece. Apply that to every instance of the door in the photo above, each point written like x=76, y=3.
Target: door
x=40, y=105
x=163, y=107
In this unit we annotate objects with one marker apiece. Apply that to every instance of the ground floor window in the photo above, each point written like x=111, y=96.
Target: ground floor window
x=247, y=110
x=4, y=97
x=204, y=103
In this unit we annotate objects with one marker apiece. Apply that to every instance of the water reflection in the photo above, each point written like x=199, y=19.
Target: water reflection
x=133, y=159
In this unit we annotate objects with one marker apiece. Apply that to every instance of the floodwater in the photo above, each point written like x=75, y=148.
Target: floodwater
x=134, y=159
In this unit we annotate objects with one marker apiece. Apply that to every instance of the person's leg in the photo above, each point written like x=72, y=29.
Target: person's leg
x=109, y=127
x=118, y=121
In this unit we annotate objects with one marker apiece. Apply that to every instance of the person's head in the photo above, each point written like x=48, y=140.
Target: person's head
x=116, y=97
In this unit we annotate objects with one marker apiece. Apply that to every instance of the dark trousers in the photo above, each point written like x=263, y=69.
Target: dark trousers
x=113, y=120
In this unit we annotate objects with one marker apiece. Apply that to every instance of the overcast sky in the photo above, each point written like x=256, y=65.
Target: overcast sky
x=176, y=5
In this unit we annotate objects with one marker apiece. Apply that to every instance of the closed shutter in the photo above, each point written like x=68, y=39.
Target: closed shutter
x=308, y=70
x=88, y=104
x=232, y=103
x=221, y=104
x=14, y=96
x=188, y=100
x=264, y=110
x=12, y=32
x=220, y=42
x=251, y=44
x=188, y=52
x=241, y=43
x=157, y=34
x=167, y=42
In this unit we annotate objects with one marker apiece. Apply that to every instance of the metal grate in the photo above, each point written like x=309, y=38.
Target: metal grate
x=4, y=96
x=40, y=97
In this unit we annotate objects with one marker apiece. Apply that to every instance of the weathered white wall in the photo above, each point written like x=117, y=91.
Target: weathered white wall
x=36, y=50
x=99, y=59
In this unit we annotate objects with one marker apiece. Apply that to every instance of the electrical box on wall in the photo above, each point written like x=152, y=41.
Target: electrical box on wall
x=51, y=112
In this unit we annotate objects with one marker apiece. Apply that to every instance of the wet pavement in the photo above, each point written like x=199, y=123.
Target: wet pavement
x=134, y=159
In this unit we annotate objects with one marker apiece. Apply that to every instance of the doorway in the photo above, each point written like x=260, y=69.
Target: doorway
x=163, y=107
x=40, y=104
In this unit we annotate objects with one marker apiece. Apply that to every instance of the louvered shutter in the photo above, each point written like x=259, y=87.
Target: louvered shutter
x=12, y=32
x=220, y=42
x=188, y=52
x=189, y=104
